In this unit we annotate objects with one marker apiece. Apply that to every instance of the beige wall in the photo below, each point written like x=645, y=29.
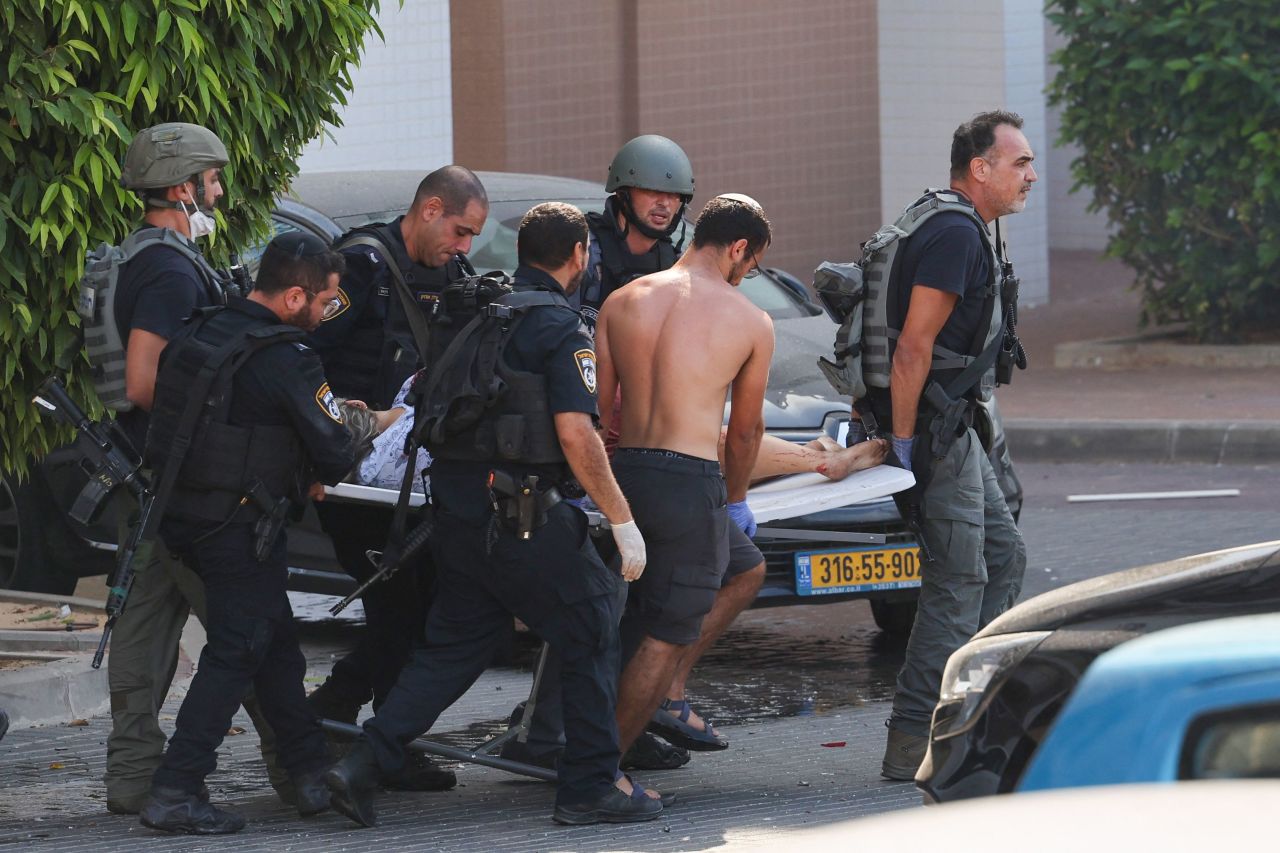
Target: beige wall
x=764, y=99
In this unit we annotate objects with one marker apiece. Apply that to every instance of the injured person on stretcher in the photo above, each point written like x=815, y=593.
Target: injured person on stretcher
x=380, y=440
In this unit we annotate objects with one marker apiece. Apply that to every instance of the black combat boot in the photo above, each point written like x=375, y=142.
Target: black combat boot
x=311, y=795
x=420, y=773
x=353, y=781
x=174, y=810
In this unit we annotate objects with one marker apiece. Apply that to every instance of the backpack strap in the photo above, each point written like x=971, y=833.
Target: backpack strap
x=418, y=326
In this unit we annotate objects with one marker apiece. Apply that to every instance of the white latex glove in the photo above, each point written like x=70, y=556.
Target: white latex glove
x=631, y=547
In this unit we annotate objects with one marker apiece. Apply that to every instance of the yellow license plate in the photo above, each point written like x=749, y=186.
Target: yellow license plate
x=866, y=570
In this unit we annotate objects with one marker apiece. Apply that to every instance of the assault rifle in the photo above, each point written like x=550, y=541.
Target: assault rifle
x=392, y=559
x=110, y=464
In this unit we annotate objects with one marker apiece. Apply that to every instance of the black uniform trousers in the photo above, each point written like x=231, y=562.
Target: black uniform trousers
x=395, y=608
x=251, y=642
x=556, y=584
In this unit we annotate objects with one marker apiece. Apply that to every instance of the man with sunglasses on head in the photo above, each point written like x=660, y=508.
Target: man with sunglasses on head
x=243, y=429
x=703, y=569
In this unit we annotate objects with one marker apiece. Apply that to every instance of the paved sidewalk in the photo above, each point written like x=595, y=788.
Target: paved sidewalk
x=1228, y=415
x=776, y=775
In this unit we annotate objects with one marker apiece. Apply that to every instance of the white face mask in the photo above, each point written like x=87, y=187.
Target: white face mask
x=200, y=223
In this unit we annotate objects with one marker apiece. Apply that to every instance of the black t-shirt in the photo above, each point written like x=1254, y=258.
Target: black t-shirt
x=550, y=341
x=156, y=292
x=948, y=254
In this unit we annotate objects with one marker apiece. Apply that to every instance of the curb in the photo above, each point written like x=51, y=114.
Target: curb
x=64, y=686
x=57, y=692
x=1151, y=351
x=1206, y=442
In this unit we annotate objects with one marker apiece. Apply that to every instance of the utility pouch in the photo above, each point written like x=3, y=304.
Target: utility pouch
x=509, y=434
x=1011, y=353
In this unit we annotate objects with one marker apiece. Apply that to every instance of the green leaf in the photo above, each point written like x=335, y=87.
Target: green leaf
x=50, y=193
x=163, y=20
x=129, y=19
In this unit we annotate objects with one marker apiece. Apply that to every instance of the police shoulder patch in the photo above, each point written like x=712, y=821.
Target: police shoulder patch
x=343, y=302
x=586, y=361
x=326, y=401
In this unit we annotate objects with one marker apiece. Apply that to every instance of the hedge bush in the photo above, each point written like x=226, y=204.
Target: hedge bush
x=81, y=77
x=1176, y=105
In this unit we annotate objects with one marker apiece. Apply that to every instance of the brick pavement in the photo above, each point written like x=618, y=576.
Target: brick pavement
x=777, y=775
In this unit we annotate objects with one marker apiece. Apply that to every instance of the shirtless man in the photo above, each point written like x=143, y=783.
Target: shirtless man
x=677, y=341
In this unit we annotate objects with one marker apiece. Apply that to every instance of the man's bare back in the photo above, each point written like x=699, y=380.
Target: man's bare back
x=677, y=341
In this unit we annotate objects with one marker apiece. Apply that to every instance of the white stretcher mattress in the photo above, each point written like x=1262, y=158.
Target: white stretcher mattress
x=785, y=497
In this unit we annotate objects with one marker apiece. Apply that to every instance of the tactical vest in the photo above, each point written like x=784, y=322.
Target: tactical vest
x=226, y=460
x=616, y=264
x=869, y=297
x=379, y=353
x=476, y=407
x=96, y=305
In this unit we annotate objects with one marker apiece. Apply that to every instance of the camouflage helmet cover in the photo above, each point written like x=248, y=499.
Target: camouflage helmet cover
x=169, y=154
x=652, y=162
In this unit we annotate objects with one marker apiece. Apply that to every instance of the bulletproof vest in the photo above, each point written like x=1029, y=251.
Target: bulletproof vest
x=474, y=406
x=96, y=305
x=871, y=300
x=220, y=461
x=379, y=353
x=616, y=263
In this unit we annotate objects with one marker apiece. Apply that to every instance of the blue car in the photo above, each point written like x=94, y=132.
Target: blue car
x=1199, y=701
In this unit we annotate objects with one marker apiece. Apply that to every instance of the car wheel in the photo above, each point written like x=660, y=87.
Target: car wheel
x=893, y=617
x=26, y=562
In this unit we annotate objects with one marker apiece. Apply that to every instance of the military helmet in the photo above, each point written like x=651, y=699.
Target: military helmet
x=169, y=154
x=652, y=162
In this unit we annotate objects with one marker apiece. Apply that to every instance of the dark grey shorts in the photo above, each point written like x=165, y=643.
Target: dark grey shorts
x=679, y=505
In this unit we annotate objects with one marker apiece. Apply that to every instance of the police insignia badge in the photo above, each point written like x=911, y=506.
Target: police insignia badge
x=326, y=401
x=342, y=301
x=586, y=360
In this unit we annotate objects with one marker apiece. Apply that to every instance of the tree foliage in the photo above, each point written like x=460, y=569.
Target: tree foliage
x=1176, y=105
x=81, y=77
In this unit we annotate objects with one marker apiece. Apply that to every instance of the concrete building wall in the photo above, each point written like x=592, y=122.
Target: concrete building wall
x=939, y=64
x=1071, y=225
x=400, y=113
x=768, y=99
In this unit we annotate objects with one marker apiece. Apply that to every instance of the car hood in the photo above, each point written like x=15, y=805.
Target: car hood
x=1248, y=574
x=799, y=396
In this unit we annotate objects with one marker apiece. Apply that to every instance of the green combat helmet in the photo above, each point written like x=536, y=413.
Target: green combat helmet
x=654, y=163
x=169, y=154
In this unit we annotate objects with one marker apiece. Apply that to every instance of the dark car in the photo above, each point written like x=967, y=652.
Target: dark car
x=799, y=406
x=1002, y=691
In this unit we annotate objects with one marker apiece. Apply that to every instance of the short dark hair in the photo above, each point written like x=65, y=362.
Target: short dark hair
x=455, y=186
x=297, y=259
x=548, y=234
x=727, y=219
x=976, y=137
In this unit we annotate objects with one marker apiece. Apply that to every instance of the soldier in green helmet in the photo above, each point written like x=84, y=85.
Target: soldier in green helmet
x=651, y=181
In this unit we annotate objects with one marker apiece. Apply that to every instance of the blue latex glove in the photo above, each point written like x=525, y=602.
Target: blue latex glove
x=902, y=448
x=742, y=516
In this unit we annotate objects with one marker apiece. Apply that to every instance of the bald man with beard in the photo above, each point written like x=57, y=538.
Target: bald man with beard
x=677, y=342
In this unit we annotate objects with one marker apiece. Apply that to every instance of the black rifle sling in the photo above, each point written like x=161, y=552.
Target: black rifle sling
x=421, y=338
x=413, y=312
